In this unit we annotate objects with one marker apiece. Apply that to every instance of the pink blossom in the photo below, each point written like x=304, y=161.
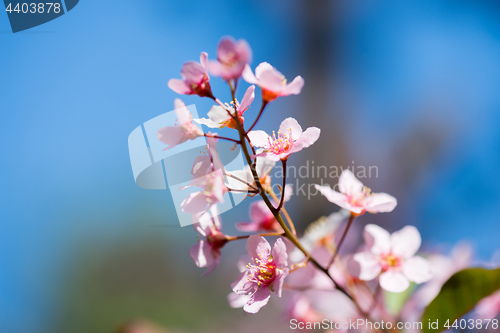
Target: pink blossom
x=272, y=82
x=209, y=176
x=232, y=57
x=393, y=258
x=195, y=79
x=290, y=139
x=267, y=274
x=489, y=307
x=218, y=116
x=300, y=309
x=206, y=252
x=262, y=219
x=357, y=198
x=182, y=132
x=263, y=167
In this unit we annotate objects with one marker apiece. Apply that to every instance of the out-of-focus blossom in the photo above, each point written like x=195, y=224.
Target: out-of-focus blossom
x=357, y=198
x=183, y=131
x=206, y=252
x=489, y=307
x=241, y=178
x=209, y=176
x=265, y=275
x=195, y=79
x=272, y=82
x=290, y=139
x=218, y=116
x=300, y=309
x=262, y=219
x=232, y=56
x=393, y=258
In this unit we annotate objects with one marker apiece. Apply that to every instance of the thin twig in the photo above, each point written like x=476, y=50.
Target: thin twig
x=351, y=218
x=263, y=106
x=222, y=138
x=282, y=200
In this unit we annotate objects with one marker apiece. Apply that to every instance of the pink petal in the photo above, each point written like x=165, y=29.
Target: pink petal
x=270, y=79
x=194, y=203
x=243, y=284
x=178, y=103
x=337, y=198
x=201, y=253
x=213, y=265
x=417, y=269
x=215, y=68
x=406, y=242
x=258, y=247
x=249, y=76
x=237, y=301
x=394, y=282
x=244, y=51
x=227, y=47
x=247, y=99
x=259, y=211
x=380, y=203
x=272, y=157
x=247, y=226
x=259, y=138
x=281, y=274
x=368, y=265
x=204, y=59
x=183, y=115
x=192, y=72
x=280, y=257
x=263, y=67
x=349, y=184
x=310, y=136
x=294, y=87
x=258, y=300
x=378, y=240
x=179, y=86
x=291, y=124
x=171, y=135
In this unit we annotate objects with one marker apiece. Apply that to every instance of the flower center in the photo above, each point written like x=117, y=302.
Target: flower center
x=390, y=261
x=264, y=271
x=281, y=143
x=357, y=200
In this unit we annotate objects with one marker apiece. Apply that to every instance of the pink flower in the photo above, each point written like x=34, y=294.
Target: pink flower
x=290, y=139
x=195, y=79
x=393, y=258
x=300, y=309
x=209, y=176
x=206, y=252
x=182, y=132
x=232, y=57
x=356, y=197
x=218, y=116
x=266, y=274
x=262, y=219
x=272, y=82
x=489, y=307
x=263, y=167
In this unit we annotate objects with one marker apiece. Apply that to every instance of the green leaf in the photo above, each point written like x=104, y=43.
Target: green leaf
x=459, y=295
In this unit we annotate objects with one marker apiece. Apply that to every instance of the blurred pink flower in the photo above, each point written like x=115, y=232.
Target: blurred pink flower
x=232, y=57
x=489, y=307
x=206, y=252
x=272, y=82
x=290, y=139
x=393, y=258
x=266, y=275
x=180, y=133
x=195, y=79
x=209, y=176
x=300, y=309
x=218, y=116
x=262, y=219
x=357, y=198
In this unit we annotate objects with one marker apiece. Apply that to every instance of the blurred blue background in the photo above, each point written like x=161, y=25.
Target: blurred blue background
x=411, y=87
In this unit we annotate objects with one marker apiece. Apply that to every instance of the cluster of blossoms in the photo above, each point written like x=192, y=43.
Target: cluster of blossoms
x=317, y=280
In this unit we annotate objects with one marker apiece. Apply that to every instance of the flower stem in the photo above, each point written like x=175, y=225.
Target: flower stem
x=349, y=223
x=263, y=106
x=222, y=138
x=282, y=200
x=242, y=181
x=231, y=238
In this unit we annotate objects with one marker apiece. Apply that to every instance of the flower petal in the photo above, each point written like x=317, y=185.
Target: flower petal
x=394, y=282
x=280, y=257
x=310, y=136
x=259, y=138
x=194, y=203
x=380, y=203
x=192, y=72
x=406, y=242
x=369, y=268
x=214, y=264
x=259, y=211
x=171, y=136
x=247, y=99
x=281, y=274
x=417, y=269
x=258, y=300
x=349, y=184
x=378, y=240
x=204, y=59
x=294, y=87
x=258, y=247
x=290, y=124
x=243, y=284
x=237, y=301
x=249, y=76
x=337, y=198
x=179, y=86
x=261, y=68
x=201, y=253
